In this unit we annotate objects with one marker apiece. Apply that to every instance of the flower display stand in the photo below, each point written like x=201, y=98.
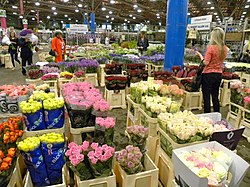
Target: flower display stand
x=168, y=144
x=147, y=121
x=115, y=98
x=133, y=112
x=148, y=178
x=98, y=182
x=34, y=81
x=192, y=100
x=78, y=79
x=53, y=86
x=225, y=93
x=29, y=183
x=149, y=67
x=101, y=75
x=234, y=115
x=151, y=145
x=245, y=79
x=166, y=168
x=157, y=67
x=92, y=78
x=6, y=60
x=240, y=73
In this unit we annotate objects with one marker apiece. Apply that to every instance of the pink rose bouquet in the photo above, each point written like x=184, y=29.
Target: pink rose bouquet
x=104, y=130
x=101, y=160
x=130, y=159
x=101, y=105
x=138, y=136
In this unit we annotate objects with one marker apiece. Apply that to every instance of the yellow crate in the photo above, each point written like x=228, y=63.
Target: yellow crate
x=115, y=98
x=61, y=82
x=151, y=145
x=53, y=86
x=34, y=81
x=146, y=121
x=147, y=178
x=92, y=78
x=192, y=100
x=245, y=79
x=78, y=79
x=235, y=114
x=101, y=75
x=133, y=112
x=29, y=183
x=166, y=168
x=98, y=182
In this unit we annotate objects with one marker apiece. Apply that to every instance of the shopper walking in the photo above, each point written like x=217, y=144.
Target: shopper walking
x=212, y=73
x=142, y=43
x=13, y=48
x=26, y=52
x=58, y=45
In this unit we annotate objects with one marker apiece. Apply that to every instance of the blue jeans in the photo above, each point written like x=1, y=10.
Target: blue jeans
x=14, y=56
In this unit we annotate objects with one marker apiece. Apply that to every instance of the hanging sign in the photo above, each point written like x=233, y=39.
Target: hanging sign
x=2, y=13
x=25, y=22
x=76, y=28
x=199, y=26
x=202, y=19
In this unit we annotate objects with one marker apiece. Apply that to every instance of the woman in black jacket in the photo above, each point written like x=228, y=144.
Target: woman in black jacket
x=26, y=53
x=142, y=43
x=13, y=48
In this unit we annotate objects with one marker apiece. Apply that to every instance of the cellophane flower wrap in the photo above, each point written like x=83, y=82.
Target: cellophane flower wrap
x=130, y=159
x=208, y=163
x=104, y=130
x=137, y=136
x=101, y=159
x=236, y=93
x=50, y=69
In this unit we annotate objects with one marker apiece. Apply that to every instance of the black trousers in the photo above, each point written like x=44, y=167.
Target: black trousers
x=14, y=57
x=26, y=59
x=210, y=87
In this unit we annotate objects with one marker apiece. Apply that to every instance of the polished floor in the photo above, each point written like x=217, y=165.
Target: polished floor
x=7, y=76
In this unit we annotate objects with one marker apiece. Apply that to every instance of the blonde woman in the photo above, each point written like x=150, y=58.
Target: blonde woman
x=212, y=74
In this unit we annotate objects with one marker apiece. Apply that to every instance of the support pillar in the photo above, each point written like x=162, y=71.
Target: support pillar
x=3, y=19
x=92, y=25
x=176, y=23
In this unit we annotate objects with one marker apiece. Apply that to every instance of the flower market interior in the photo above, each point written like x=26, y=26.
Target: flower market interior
x=125, y=93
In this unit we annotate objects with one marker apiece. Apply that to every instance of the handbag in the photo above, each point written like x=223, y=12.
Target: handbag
x=52, y=52
x=196, y=84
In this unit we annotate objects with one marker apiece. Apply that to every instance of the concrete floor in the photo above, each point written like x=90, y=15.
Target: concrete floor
x=8, y=76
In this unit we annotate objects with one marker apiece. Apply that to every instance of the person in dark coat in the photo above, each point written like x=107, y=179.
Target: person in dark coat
x=13, y=48
x=26, y=52
x=142, y=43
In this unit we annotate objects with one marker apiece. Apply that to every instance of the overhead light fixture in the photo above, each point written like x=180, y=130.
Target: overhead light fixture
x=247, y=6
x=112, y=18
x=65, y=1
x=158, y=17
x=157, y=14
x=85, y=14
x=209, y=3
x=62, y=21
x=55, y=13
x=21, y=17
x=217, y=16
x=243, y=16
x=188, y=13
x=160, y=23
x=69, y=19
x=15, y=7
x=107, y=16
x=103, y=8
x=134, y=17
x=48, y=17
x=212, y=8
x=79, y=5
x=135, y=6
x=139, y=10
x=215, y=13
x=76, y=10
x=14, y=13
x=125, y=20
x=130, y=15
x=244, y=13
x=112, y=2
x=111, y=22
x=65, y=15
x=33, y=19
x=40, y=21
x=148, y=21
x=76, y=20
x=53, y=8
x=110, y=12
x=37, y=3
x=128, y=21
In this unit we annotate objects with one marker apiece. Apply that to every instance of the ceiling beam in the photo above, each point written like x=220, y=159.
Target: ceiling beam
x=217, y=8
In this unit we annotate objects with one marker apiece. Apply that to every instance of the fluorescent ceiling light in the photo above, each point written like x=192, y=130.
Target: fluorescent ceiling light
x=134, y=17
x=244, y=13
x=158, y=17
x=157, y=14
x=32, y=10
x=107, y=16
x=33, y=19
x=209, y=3
x=112, y=18
x=110, y=12
x=53, y=8
x=188, y=13
x=76, y=10
x=62, y=21
x=55, y=13
x=37, y=3
x=21, y=17
x=48, y=17
x=103, y=8
x=69, y=19
x=247, y=6
x=85, y=14
x=215, y=13
x=135, y=6
x=130, y=15
x=212, y=8
x=76, y=20
x=79, y=5
x=65, y=1
x=112, y=2
x=40, y=21
x=139, y=10
x=65, y=15
x=128, y=21
x=14, y=13
x=125, y=20
x=15, y=7
x=111, y=22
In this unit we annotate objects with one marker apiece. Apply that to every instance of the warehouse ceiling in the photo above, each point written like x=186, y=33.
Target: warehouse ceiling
x=121, y=11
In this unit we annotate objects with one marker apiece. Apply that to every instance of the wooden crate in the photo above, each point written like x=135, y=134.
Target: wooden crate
x=151, y=145
x=157, y=67
x=146, y=121
x=6, y=60
x=53, y=86
x=78, y=79
x=168, y=144
x=147, y=178
x=115, y=98
x=133, y=112
x=101, y=75
x=29, y=183
x=166, y=168
x=234, y=115
x=225, y=93
x=98, y=182
x=92, y=78
x=34, y=81
x=149, y=68
x=192, y=100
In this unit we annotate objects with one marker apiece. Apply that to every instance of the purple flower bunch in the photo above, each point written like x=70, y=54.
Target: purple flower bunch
x=50, y=69
x=130, y=159
x=102, y=60
x=53, y=64
x=138, y=130
x=88, y=63
x=156, y=59
x=115, y=55
x=107, y=123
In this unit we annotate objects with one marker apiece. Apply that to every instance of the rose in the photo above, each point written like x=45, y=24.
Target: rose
x=94, y=145
x=85, y=145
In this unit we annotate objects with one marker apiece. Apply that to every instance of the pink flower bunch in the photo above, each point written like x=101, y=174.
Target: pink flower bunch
x=138, y=130
x=164, y=89
x=158, y=82
x=100, y=153
x=93, y=95
x=129, y=159
x=50, y=76
x=101, y=105
x=75, y=152
x=236, y=85
x=79, y=74
x=108, y=122
x=247, y=102
x=175, y=91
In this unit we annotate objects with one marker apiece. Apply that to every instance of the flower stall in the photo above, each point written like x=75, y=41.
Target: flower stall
x=34, y=73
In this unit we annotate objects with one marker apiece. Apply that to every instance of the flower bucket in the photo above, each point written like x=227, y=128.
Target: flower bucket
x=80, y=118
x=36, y=166
x=12, y=104
x=103, y=135
x=54, y=159
x=35, y=121
x=3, y=103
x=54, y=118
